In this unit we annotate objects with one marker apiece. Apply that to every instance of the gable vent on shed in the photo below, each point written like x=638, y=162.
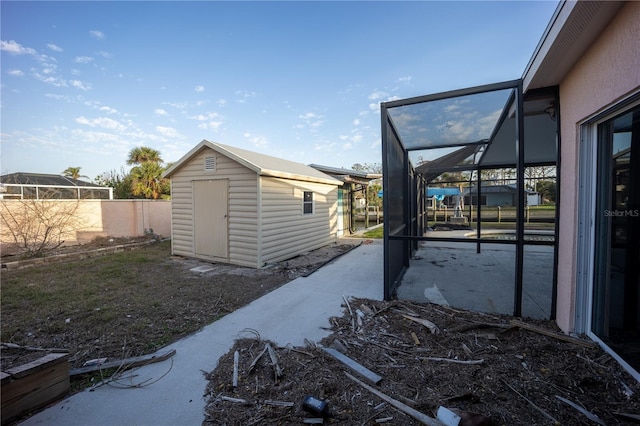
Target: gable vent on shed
x=210, y=164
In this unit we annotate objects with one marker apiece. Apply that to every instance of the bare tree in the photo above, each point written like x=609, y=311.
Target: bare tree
x=368, y=167
x=37, y=227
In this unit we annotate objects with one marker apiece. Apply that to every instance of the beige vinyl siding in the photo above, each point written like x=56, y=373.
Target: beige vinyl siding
x=242, y=206
x=286, y=231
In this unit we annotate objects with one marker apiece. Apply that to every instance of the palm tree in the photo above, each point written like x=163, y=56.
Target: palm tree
x=73, y=173
x=144, y=154
x=146, y=176
x=147, y=180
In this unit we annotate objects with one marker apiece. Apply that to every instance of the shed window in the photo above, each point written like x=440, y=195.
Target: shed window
x=210, y=164
x=307, y=202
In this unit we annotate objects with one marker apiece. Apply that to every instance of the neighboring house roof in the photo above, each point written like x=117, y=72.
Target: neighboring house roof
x=574, y=27
x=43, y=179
x=347, y=175
x=264, y=165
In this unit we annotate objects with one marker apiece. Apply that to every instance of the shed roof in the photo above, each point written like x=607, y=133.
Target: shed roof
x=43, y=179
x=262, y=164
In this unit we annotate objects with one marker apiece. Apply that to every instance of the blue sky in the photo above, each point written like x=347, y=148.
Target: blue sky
x=82, y=83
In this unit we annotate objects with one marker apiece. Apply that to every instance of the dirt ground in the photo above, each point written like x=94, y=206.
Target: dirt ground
x=473, y=363
x=128, y=304
x=480, y=366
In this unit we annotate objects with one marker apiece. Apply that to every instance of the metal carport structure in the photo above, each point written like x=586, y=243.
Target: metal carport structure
x=483, y=127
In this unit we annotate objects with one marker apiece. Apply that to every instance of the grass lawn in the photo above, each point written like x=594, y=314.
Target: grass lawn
x=122, y=304
x=374, y=233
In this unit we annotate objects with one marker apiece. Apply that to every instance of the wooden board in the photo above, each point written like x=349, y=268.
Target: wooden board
x=34, y=387
x=353, y=365
x=125, y=364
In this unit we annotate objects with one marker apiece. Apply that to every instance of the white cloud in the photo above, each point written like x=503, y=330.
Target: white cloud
x=312, y=120
x=211, y=125
x=80, y=85
x=356, y=122
x=98, y=35
x=54, y=96
x=167, y=131
x=307, y=116
x=160, y=111
x=257, y=140
x=375, y=106
x=205, y=117
x=16, y=48
x=108, y=109
x=351, y=140
x=405, y=79
x=103, y=122
x=178, y=105
x=221, y=102
x=377, y=95
x=244, y=95
x=199, y=89
x=52, y=80
x=15, y=73
x=83, y=59
x=211, y=120
x=104, y=54
x=324, y=146
x=48, y=71
x=54, y=47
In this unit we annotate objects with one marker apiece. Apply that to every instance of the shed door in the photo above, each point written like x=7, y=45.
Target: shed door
x=210, y=217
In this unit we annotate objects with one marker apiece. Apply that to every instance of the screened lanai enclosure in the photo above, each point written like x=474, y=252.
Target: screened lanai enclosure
x=465, y=222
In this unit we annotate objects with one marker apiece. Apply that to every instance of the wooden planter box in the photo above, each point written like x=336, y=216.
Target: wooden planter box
x=32, y=386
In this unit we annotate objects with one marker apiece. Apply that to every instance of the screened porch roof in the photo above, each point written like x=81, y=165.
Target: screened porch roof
x=481, y=120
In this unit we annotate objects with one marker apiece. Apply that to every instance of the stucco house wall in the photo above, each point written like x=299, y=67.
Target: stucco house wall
x=608, y=72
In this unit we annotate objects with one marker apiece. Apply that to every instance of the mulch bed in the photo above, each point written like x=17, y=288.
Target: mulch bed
x=476, y=364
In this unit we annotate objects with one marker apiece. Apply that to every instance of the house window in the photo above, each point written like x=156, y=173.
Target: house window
x=209, y=164
x=307, y=203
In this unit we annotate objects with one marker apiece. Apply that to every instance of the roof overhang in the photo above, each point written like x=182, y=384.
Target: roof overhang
x=574, y=26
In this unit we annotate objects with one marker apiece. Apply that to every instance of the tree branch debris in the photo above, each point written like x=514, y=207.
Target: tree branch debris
x=443, y=365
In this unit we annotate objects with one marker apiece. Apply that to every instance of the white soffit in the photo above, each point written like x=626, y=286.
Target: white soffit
x=574, y=26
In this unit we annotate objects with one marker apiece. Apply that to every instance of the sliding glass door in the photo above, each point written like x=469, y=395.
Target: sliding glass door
x=616, y=295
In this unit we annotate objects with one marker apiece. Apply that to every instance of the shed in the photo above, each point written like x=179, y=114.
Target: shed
x=240, y=207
